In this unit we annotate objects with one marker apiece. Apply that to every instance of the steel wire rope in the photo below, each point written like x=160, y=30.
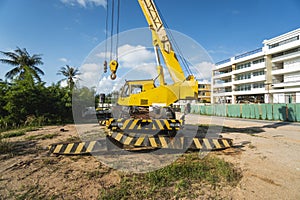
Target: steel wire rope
x=106, y=38
x=112, y=28
x=184, y=62
x=118, y=29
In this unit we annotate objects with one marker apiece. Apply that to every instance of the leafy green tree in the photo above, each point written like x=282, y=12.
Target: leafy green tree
x=23, y=64
x=4, y=87
x=70, y=74
x=27, y=100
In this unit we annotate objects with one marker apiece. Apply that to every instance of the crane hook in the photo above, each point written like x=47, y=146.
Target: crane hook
x=105, y=66
x=113, y=65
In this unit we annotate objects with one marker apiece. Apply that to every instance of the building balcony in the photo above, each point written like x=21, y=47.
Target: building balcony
x=283, y=47
x=222, y=85
x=252, y=68
x=286, y=57
x=286, y=84
x=221, y=94
x=253, y=91
x=251, y=80
x=286, y=70
x=222, y=75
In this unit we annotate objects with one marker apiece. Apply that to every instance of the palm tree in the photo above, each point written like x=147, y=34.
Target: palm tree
x=70, y=73
x=24, y=64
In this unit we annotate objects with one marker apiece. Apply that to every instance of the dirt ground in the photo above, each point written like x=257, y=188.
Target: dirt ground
x=269, y=157
x=266, y=152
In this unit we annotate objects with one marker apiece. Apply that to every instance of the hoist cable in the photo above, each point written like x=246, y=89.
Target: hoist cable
x=178, y=50
x=112, y=29
x=118, y=29
x=106, y=37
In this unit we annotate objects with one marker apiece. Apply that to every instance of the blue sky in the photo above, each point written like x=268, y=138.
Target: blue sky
x=66, y=31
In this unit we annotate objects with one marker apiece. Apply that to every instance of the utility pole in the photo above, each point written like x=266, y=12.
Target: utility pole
x=268, y=88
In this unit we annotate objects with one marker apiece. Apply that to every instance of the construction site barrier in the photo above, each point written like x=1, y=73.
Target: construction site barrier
x=281, y=111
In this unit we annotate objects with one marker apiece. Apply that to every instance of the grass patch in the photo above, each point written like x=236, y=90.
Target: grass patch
x=18, y=132
x=73, y=139
x=30, y=192
x=182, y=179
x=5, y=146
x=42, y=137
x=94, y=174
x=13, y=134
x=25, y=129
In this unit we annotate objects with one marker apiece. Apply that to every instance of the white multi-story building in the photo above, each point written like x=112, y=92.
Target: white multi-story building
x=270, y=74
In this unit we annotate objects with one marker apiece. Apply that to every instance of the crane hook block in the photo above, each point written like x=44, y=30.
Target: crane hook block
x=105, y=66
x=113, y=65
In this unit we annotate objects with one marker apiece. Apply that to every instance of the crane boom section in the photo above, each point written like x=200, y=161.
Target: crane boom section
x=161, y=40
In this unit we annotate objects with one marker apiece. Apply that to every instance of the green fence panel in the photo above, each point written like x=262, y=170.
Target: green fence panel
x=256, y=111
x=214, y=109
x=182, y=108
x=252, y=111
x=202, y=110
x=282, y=112
x=193, y=107
x=229, y=110
x=209, y=110
x=291, y=112
x=220, y=110
x=267, y=111
x=246, y=111
x=279, y=112
x=233, y=111
x=259, y=112
x=297, y=112
x=263, y=108
x=197, y=109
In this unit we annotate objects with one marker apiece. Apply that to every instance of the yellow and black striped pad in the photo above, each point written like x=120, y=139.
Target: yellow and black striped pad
x=144, y=124
x=144, y=140
x=77, y=148
x=102, y=122
x=161, y=142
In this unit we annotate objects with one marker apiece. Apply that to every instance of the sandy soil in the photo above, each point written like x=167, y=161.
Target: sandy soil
x=266, y=152
x=269, y=158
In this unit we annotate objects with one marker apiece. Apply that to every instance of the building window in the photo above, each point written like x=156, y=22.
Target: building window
x=228, y=89
x=258, y=85
x=284, y=42
x=258, y=61
x=243, y=76
x=259, y=73
x=245, y=87
x=225, y=71
x=286, y=52
x=242, y=66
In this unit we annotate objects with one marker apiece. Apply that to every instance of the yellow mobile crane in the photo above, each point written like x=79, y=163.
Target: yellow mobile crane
x=133, y=125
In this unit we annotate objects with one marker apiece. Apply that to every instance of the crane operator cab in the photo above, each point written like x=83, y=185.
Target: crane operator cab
x=137, y=100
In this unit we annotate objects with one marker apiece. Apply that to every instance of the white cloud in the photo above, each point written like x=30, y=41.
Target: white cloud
x=64, y=60
x=106, y=85
x=90, y=74
x=135, y=56
x=64, y=83
x=85, y=3
x=131, y=56
x=203, y=71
